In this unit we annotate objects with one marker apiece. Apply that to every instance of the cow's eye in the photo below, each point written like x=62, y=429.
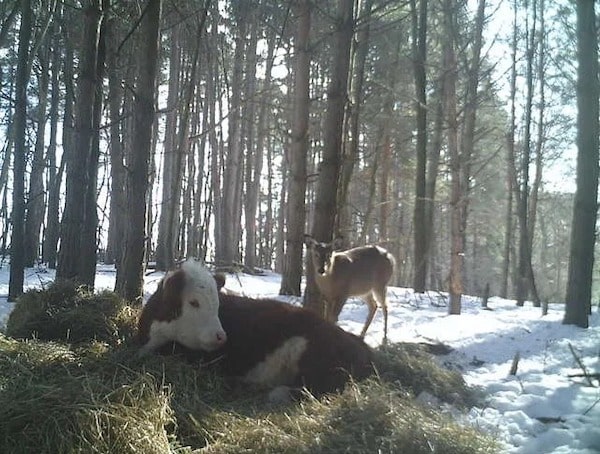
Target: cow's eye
x=194, y=303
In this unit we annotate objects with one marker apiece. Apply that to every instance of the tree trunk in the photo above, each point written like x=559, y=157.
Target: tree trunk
x=130, y=274
x=171, y=177
x=228, y=251
x=539, y=153
x=17, y=262
x=89, y=246
x=511, y=177
x=419, y=38
x=470, y=118
x=456, y=194
x=116, y=225
x=431, y=180
x=326, y=205
x=523, y=283
x=357, y=96
x=296, y=206
x=583, y=233
x=51, y=233
x=80, y=159
x=36, y=197
x=253, y=154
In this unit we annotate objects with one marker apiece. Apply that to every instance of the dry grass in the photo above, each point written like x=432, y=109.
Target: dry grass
x=66, y=312
x=99, y=397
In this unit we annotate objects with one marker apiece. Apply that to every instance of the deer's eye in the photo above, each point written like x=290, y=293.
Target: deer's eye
x=194, y=303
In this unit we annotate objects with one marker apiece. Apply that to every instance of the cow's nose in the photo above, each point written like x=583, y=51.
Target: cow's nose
x=221, y=337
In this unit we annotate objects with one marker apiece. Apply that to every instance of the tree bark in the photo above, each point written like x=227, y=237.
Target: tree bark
x=253, y=154
x=80, y=159
x=36, y=197
x=326, y=205
x=171, y=172
x=50, y=240
x=583, y=233
x=419, y=38
x=456, y=194
x=130, y=275
x=351, y=147
x=523, y=282
x=296, y=206
x=17, y=246
x=228, y=251
x=116, y=226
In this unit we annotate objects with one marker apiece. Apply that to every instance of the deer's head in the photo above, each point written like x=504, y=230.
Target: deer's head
x=321, y=253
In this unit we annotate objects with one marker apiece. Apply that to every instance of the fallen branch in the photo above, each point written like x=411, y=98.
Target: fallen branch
x=581, y=365
x=588, y=376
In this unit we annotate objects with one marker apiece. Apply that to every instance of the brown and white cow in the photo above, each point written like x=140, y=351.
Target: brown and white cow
x=275, y=344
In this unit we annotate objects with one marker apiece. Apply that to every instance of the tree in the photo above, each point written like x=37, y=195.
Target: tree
x=326, y=203
x=36, y=196
x=456, y=192
x=172, y=159
x=116, y=226
x=227, y=249
x=17, y=246
x=130, y=273
x=51, y=232
x=583, y=233
x=419, y=39
x=296, y=206
x=79, y=222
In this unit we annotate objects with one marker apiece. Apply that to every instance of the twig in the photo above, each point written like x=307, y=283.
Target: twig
x=591, y=407
x=595, y=376
x=581, y=365
x=515, y=363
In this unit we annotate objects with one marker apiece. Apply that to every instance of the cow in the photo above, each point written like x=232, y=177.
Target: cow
x=267, y=342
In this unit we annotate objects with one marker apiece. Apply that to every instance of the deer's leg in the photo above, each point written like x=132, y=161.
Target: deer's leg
x=372, y=309
x=380, y=297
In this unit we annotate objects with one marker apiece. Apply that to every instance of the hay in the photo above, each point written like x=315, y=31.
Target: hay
x=410, y=366
x=66, y=312
x=51, y=402
x=93, y=394
x=367, y=417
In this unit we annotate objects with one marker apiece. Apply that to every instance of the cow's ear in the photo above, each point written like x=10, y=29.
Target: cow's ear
x=220, y=280
x=173, y=284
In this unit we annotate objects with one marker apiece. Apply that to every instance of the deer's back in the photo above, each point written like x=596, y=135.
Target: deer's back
x=357, y=271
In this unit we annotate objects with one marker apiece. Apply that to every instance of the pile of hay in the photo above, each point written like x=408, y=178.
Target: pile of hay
x=412, y=367
x=66, y=312
x=51, y=401
x=100, y=397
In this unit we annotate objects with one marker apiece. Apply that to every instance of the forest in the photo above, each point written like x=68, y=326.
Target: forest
x=462, y=136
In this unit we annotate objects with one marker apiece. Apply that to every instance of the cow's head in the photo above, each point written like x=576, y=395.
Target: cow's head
x=321, y=252
x=185, y=309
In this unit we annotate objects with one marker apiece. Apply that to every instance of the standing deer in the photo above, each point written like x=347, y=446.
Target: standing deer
x=361, y=271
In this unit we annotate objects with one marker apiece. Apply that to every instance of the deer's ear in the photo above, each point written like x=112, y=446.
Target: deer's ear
x=309, y=240
x=338, y=243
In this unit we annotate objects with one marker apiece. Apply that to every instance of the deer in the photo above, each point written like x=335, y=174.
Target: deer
x=361, y=271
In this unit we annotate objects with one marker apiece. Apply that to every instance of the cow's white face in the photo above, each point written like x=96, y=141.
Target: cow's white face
x=184, y=308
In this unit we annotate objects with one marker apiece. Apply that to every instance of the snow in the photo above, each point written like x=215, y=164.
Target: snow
x=539, y=410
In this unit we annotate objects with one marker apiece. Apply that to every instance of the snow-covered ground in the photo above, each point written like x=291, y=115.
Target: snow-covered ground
x=539, y=410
